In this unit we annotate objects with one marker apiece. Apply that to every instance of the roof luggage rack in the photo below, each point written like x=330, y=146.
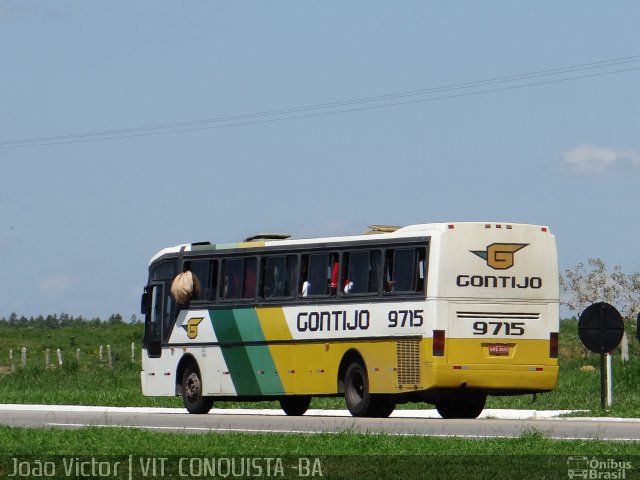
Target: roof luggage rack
x=267, y=236
x=375, y=229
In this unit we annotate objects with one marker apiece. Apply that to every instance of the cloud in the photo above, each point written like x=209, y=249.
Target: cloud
x=591, y=159
x=56, y=285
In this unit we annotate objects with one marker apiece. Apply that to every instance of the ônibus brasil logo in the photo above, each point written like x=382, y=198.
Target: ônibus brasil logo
x=500, y=256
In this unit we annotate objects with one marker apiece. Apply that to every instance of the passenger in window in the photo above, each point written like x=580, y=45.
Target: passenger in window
x=249, y=281
x=348, y=286
x=388, y=286
x=334, y=278
x=305, y=285
x=232, y=286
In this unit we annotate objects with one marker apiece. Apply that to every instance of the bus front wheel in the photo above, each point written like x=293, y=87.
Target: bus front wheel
x=295, y=406
x=192, y=396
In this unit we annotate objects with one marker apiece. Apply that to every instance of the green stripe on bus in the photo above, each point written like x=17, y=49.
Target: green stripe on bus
x=251, y=367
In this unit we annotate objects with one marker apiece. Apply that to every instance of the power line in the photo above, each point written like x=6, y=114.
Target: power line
x=332, y=108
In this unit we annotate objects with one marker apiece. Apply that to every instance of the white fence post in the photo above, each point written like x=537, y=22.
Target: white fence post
x=24, y=357
x=109, y=357
x=624, y=348
x=46, y=359
x=13, y=367
x=59, y=357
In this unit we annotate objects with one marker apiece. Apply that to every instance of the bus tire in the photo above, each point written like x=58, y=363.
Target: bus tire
x=382, y=406
x=461, y=407
x=294, y=406
x=356, y=391
x=192, y=397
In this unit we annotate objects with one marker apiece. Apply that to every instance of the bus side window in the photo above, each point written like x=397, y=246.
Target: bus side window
x=422, y=270
x=204, y=272
x=405, y=270
x=270, y=273
x=303, y=279
x=250, y=273
x=278, y=276
x=232, y=272
x=319, y=274
x=361, y=272
x=290, y=275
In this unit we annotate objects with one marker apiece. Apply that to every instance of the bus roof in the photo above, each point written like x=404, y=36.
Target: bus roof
x=375, y=232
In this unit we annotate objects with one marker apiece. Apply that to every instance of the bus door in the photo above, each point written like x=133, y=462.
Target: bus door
x=152, y=308
x=160, y=312
x=158, y=307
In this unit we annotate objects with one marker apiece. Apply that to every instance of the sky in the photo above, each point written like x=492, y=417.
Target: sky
x=127, y=127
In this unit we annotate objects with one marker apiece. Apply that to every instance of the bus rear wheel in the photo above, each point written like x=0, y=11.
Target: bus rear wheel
x=383, y=406
x=356, y=390
x=360, y=402
x=295, y=406
x=461, y=407
x=192, y=397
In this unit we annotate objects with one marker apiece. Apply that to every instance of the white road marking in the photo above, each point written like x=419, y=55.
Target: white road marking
x=399, y=413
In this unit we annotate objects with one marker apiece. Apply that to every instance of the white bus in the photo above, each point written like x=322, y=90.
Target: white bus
x=444, y=313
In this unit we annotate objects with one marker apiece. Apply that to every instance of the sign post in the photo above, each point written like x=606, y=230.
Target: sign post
x=600, y=328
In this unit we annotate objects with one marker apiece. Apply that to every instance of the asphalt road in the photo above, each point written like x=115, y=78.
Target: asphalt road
x=496, y=423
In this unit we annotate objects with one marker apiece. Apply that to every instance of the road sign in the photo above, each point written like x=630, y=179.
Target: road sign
x=600, y=327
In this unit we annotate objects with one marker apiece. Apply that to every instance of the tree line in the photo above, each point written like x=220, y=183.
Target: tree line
x=63, y=320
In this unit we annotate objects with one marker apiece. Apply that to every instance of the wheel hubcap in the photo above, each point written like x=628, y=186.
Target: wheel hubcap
x=192, y=387
x=357, y=388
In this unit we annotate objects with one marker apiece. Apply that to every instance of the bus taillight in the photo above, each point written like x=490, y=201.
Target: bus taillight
x=438, y=343
x=553, y=345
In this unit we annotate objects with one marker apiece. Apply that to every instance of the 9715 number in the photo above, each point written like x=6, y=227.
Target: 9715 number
x=497, y=328
x=405, y=318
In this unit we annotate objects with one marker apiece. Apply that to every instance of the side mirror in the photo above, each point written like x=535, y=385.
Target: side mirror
x=144, y=302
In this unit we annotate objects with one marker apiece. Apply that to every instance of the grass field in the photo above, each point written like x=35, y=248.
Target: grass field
x=92, y=382
x=342, y=455
x=119, y=441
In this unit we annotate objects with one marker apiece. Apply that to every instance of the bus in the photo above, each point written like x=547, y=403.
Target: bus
x=444, y=313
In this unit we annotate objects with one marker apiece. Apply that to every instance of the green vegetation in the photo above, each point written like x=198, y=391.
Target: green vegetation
x=342, y=455
x=91, y=381
x=124, y=441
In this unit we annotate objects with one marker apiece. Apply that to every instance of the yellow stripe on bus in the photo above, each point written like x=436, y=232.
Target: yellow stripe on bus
x=274, y=324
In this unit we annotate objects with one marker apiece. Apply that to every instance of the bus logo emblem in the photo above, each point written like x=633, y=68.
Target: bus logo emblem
x=500, y=256
x=191, y=327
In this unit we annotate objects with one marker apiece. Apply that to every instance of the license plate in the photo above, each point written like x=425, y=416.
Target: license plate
x=499, y=349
